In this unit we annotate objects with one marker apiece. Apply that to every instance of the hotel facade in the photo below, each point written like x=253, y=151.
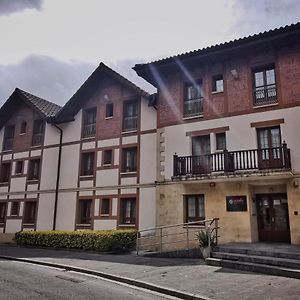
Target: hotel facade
x=219, y=140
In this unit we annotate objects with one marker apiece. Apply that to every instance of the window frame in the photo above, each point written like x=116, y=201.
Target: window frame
x=134, y=167
x=38, y=132
x=104, y=162
x=8, y=172
x=109, y=110
x=26, y=220
x=80, y=216
x=85, y=172
x=23, y=128
x=12, y=212
x=132, y=117
x=198, y=198
x=133, y=212
x=87, y=124
x=17, y=171
x=8, y=137
x=194, y=101
x=108, y=212
x=31, y=170
x=218, y=134
x=4, y=210
x=215, y=79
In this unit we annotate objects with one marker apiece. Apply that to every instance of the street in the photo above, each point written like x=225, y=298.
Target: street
x=26, y=281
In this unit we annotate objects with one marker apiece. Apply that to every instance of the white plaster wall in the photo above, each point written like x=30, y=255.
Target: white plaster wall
x=52, y=135
x=128, y=191
x=13, y=225
x=32, y=187
x=25, y=167
x=109, y=142
x=147, y=208
x=85, y=193
x=86, y=183
x=17, y=184
x=7, y=156
x=8, y=209
x=45, y=211
x=129, y=139
x=88, y=145
x=148, y=158
x=99, y=158
x=49, y=168
x=105, y=224
x=107, y=192
x=66, y=211
x=116, y=156
x=107, y=177
x=148, y=116
x=35, y=153
x=97, y=207
x=128, y=180
x=69, y=166
x=72, y=130
x=240, y=135
x=114, y=209
x=21, y=155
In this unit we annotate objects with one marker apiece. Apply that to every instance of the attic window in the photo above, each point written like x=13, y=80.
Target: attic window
x=23, y=127
x=109, y=110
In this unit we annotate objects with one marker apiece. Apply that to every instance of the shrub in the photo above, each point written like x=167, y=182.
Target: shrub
x=206, y=238
x=98, y=240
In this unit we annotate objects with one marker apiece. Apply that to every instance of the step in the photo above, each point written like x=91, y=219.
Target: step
x=254, y=267
x=259, y=252
x=268, y=260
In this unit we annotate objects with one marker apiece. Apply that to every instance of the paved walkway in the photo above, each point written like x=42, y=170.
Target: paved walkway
x=187, y=275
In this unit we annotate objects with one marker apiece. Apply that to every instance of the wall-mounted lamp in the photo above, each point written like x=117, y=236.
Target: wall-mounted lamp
x=212, y=184
x=234, y=73
x=295, y=183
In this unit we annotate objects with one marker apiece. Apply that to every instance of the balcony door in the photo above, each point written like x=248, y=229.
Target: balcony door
x=269, y=148
x=201, y=154
x=273, y=218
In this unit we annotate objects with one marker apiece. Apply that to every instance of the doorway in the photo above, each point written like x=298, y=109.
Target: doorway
x=273, y=218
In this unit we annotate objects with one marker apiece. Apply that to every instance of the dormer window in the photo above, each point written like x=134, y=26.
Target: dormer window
x=193, y=101
x=89, y=123
x=23, y=127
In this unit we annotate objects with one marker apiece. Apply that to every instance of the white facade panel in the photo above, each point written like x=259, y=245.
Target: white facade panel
x=32, y=187
x=89, y=145
x=20, y=155
x=148, y=158
x=105, y=224
x=66, y=211
x=107, y=177
x=13, y=225
x=114, y=209
x=45, y=211
x=34, y=153
x=148, y=116
x=72, y=130
x=86, y=183
x=108, y=143
x=133, y=139
x=7, y=157
x=128, y=180
x=147, y=208
x=52, y=135
x=49, y=168
x=17, y=184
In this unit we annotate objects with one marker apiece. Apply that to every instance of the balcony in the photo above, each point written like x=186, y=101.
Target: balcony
x=265, y=95
x=193, y=107
x=222, y=163
x=89, y=130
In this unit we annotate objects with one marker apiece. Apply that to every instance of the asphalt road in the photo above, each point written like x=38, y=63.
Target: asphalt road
x=26, y=281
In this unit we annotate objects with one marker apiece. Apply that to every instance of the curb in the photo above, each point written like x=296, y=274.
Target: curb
x=133, y=282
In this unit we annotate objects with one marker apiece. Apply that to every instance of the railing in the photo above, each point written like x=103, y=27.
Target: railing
x=89, y=130
x=265, y=95
x=193, y=107
x=130, y=123
x=231, y=161
x=178, y=236
x=37, y=139
x=8, y=144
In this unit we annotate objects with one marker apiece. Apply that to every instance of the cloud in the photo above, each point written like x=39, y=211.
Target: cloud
x=8, y=7
x=56, y=80
x=253, y=16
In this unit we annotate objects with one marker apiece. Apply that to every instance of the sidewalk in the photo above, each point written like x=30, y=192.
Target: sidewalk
x=190, y=276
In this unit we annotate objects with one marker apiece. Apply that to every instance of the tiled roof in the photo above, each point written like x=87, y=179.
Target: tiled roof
x=221, y=46
x=46, y=108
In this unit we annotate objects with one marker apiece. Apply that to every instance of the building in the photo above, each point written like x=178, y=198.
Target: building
x=218, y=140
x=227, y=121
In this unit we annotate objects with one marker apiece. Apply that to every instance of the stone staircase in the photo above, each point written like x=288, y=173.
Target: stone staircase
x=279, y=261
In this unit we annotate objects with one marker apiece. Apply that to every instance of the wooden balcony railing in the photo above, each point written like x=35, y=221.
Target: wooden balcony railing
x=89, y=130
x=37, y=139
x=265, y=95
x=193, y=107
x=232, y=161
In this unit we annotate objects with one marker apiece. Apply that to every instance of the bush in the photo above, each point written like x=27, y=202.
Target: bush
x=98, y=240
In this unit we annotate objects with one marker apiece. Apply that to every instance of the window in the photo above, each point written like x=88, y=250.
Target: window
x=23, y=127
x=15, y=208
x=5, y=172
x=220, y=141
x=218, y=84
x=105, y=207
x=8, y=140
x=89, y=123
x=19, y=167
x=264, y=86
x=87, y=164
x=34, y=169
x=193, y=102
x=129, y=160
x=107, y=157
x=194, y=208
x=30, y=212
x=109, y=112
x=84, y=211
x=127, y=210
x=2, y=212
x=38, y=132
x=130, y=116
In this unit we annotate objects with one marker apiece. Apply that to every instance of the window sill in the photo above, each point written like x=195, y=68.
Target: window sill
x=127, y=225
x=217, y=92
x=106, y=165
x=86, y=177
x=32, y=180
x=104, y=215
x=192, y=117
x=22, y=133
x=265, y=105
x=129, y=173
x=28, y=224
x=129, y=131
x=83, y=225
x=8, y=151
x=108, y=118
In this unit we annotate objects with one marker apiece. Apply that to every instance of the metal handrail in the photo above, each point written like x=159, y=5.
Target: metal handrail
x=209, y=224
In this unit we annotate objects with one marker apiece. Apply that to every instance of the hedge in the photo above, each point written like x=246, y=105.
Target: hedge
x=98, y=240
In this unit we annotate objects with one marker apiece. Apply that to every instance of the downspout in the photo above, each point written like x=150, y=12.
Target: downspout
x=57, y=176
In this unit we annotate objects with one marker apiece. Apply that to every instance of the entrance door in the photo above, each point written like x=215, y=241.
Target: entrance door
x=273, y=218
x=269, y=153
x=201, y=154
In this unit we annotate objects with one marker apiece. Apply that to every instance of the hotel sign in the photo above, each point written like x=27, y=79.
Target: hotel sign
x=236, y=203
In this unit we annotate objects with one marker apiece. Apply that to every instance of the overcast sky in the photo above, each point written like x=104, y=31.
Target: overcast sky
x=50, y=47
